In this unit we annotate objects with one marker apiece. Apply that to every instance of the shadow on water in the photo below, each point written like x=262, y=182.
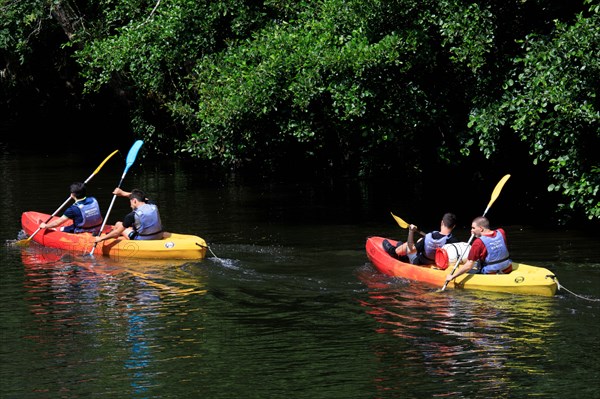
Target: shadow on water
x=473, y=344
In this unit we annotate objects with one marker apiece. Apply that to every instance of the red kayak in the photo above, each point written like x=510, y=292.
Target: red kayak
x=524, y=279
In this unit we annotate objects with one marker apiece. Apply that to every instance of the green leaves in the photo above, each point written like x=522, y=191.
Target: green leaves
x=354, y=84
x=468, y=32
x=550, y=101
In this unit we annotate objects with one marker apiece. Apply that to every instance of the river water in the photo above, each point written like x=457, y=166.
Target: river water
x=286, y=304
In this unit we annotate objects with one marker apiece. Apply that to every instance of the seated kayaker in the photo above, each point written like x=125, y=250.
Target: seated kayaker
x=85, y=213
x=142, y=223
x=488, y=250
x=423, y=251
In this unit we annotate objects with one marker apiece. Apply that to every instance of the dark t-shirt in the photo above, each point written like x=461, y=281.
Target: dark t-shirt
x=129, y=220
x=74, y=213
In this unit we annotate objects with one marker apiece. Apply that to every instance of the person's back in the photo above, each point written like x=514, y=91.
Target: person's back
x=494, y=256
x=423, y=251
x=84, y=212
x=147, y=224
x=427, y=246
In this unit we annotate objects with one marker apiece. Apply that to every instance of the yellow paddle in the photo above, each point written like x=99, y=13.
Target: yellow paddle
x=495, y=195
x=26, y=241
x=403, y=224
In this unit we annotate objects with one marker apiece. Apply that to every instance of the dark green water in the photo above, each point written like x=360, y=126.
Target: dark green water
x=286, y=305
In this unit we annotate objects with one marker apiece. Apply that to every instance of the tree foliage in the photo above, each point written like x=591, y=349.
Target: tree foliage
x=550, y=100
x=343, y=84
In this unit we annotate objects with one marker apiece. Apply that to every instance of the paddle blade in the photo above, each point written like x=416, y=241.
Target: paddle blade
x=400, y=222
x=23, y=243
x=496, y=191
x=91, y=253
x=102, y=164
x=133, y=151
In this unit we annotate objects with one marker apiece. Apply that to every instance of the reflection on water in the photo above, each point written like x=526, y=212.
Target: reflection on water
x=105, y=308
x=290, y=307
x=472, y=342
x=277, y=322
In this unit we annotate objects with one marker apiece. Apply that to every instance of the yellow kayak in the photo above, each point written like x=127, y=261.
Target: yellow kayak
x=173, y=246
x=524, y=279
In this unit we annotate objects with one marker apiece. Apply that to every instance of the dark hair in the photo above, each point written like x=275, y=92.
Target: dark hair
x=78, y=189
x=138, y=195
x=482, y=221
x=449, y=220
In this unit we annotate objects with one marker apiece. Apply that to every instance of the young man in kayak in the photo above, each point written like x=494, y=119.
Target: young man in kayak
x=489, y=250
x=142, y=223
x=423, y=251
x=85, y=213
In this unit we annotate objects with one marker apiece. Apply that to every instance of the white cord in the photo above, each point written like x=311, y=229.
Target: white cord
x=561, y=287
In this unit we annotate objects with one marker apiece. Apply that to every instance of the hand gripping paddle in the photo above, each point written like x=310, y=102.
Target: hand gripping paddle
x=133, y=151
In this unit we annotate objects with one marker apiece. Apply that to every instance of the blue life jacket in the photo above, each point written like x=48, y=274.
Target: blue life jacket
x=497, y=258
x=147, y=223
x=90, y=214
x=432, y=244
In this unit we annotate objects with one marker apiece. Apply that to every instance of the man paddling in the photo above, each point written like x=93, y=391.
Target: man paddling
x=423, y=251
x=85, y=213
x=143, y=223
x=489, y=250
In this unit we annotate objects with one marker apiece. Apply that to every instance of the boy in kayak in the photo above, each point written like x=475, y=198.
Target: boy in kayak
x=85, y=213
x=142, y=223
x=489, y=250
x=423, y=251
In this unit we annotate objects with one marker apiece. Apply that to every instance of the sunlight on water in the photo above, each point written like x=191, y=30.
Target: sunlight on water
x=476, y=342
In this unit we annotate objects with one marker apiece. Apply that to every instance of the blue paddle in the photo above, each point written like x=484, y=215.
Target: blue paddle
x=133, y=151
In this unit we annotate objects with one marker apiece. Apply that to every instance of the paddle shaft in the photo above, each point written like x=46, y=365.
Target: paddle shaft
x=130, y=159
x=495, y=195
x=69, y=199
x=108, y=212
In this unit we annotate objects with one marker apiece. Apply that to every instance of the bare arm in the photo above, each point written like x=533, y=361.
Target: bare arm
x=54, y=223
x=410, y=242
x=121, y=193
x=461, y=270
x=115, y=232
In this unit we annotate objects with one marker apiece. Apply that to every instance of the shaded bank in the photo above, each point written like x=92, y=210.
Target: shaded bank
x=462, y=187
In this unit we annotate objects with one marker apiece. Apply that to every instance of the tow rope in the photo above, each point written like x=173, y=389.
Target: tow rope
x=561, y=287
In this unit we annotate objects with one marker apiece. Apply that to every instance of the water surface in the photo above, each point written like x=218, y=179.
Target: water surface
x=285, y=305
